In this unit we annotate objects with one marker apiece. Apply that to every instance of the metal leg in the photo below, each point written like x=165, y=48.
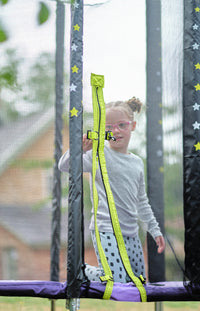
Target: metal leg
x=73, y=304
x=158, y=306
x=53, y=305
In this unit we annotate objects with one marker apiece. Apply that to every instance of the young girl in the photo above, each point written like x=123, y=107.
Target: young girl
x=126, y=177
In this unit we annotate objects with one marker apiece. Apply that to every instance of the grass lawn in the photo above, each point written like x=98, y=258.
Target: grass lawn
x=33, y=304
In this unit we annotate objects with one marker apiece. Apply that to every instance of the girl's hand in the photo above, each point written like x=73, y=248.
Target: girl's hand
x=87, y=143
x=160, y=241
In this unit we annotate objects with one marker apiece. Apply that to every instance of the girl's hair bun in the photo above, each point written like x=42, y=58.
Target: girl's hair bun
x=135, y=104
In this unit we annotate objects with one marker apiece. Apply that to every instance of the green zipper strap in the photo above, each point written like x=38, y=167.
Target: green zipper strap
x=109, y=135
x=108, y=278
x=97, y=83
x=92, y=135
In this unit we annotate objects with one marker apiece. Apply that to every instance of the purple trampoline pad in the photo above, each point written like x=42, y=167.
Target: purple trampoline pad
x=164, y=291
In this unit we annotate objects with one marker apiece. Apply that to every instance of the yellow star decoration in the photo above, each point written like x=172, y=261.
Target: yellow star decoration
x=197, y=87
x=75, y=69
x=197, y=146
x=76, y=27
x=74, y=112
x=197, y=9
x=161, y=169
x=197, y=66
x=160, y=122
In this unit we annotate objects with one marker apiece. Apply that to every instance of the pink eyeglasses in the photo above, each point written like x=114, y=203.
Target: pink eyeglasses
x=122, y=126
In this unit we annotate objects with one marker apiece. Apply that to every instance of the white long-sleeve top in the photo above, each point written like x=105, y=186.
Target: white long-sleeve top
x=126, y=178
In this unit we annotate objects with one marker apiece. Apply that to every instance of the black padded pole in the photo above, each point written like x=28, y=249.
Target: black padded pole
x=191, y=138
x=75, y=214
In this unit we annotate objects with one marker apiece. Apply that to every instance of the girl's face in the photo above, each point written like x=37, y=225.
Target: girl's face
x=119, y=123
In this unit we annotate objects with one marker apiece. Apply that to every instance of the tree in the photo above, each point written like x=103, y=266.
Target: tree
x=39, y=90
x=23, y=92
x=42, y=17
x=9, y=85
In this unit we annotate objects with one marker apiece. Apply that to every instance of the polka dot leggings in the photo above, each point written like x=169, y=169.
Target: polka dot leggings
x=134, y=251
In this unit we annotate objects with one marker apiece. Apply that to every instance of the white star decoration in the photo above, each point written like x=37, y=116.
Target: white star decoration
x=196, y=125
x=159, y=138
x=72, y=87
x=195, y=46
x=74, y=47
x=159, y=153
x=196, y=106
x=195, y=27
x=76, y=5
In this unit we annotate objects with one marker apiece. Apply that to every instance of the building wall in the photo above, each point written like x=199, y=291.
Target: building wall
x=28, y=179
x=23, y=260
x=34, y=264
x=30, y=263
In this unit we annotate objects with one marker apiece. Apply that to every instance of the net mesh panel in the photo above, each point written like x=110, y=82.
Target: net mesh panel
x=27, y=92
x=27, y=139
x=172, y=58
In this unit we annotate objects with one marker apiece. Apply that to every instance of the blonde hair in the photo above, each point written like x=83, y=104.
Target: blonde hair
x=129, y=107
